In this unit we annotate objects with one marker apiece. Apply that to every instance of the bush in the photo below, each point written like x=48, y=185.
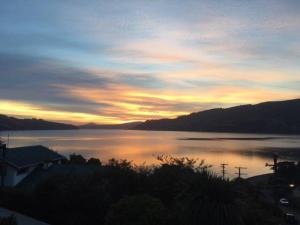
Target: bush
x=94, y=162
x=137, y=210
x=77, y=159
x=176, y=192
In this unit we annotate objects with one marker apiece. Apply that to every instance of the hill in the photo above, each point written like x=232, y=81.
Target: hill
x=11, y=123
x=124, y=126
x=268, y=117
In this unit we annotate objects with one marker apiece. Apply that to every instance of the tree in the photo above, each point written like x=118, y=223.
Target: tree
x=94, y=162
x=77, y=159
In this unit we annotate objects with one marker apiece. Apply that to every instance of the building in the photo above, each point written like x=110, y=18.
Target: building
x=21, y=162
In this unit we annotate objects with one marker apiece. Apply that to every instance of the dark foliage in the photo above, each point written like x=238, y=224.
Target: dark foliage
x=136, y=210
x=179, y=191
x=94, y=162
x=78, y=159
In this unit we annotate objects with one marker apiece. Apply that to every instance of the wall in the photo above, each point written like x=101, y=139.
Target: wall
x=12, y=177
x=19, y=177
x=9, y=178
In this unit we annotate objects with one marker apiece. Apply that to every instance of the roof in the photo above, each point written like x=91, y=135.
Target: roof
x=30, y=155
x=21, y=219
x=57, y=170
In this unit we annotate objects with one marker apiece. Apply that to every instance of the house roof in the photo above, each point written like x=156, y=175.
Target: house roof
x=21, y=219
x=30, y=155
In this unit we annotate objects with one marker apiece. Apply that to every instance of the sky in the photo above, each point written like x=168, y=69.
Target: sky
x=120, y=61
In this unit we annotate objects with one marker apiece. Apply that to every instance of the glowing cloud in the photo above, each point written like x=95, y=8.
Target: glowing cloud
x=111, y=62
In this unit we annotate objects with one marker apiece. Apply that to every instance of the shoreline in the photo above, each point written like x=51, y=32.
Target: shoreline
x=143, y=130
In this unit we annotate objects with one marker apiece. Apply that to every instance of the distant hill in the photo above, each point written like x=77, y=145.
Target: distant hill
x=269, y=117
x=11, y=123
x=124, y=126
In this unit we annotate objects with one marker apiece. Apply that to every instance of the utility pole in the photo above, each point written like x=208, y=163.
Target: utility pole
x=239, y=173
x=223, y=165
x=274, y=166
x=2, y=163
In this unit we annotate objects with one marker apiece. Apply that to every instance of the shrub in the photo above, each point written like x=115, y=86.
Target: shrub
x=94, y=162
x=136, y=210
x=77, y=159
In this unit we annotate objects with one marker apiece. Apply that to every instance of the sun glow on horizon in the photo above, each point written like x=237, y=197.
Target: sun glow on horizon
x=38, y=112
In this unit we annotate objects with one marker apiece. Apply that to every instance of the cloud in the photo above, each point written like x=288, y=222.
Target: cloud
x=111, y=61
x=52, y=89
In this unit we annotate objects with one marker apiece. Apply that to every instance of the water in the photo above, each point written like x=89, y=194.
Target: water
x=248, y=150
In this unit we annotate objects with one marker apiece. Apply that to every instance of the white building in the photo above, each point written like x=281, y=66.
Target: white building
x=21, y=162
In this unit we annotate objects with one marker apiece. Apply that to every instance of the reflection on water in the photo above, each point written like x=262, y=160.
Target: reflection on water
x=247, y=150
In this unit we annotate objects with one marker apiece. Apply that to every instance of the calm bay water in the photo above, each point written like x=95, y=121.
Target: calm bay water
x=247, y=150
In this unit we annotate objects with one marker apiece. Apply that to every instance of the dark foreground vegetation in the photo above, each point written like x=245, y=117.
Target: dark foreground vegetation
x=177, y=192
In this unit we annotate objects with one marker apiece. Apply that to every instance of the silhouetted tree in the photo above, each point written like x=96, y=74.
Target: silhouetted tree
x=94, y=162
x=77, y=159
x=122, y=163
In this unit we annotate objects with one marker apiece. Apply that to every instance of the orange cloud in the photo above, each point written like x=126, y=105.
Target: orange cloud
x=29, y=110
x=125, y=103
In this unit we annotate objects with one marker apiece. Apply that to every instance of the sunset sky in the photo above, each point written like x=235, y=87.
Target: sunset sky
x=120, y=61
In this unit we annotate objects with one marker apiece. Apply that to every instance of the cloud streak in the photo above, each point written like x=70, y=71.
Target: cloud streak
x=111, y=62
